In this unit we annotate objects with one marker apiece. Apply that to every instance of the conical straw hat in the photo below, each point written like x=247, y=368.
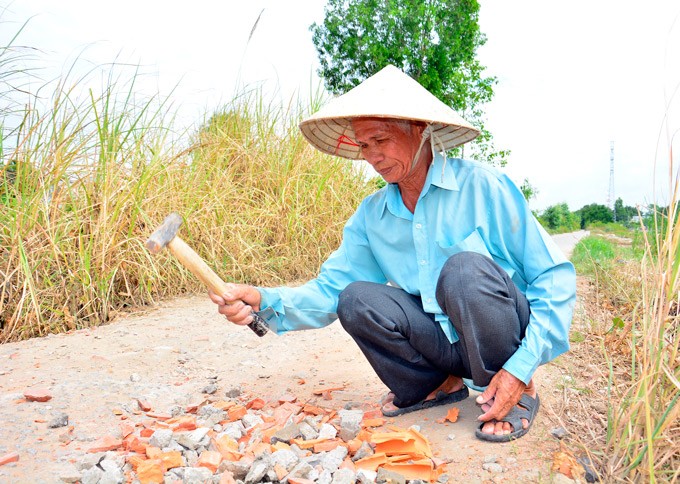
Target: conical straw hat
x=388, y=94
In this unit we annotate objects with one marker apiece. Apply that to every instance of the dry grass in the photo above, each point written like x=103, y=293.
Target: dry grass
x=622, y=404
x=85, y=181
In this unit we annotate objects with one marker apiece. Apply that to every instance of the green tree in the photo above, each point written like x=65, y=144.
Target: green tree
x=433, y=41
x=528, y=190
x=558, y=218
x=595, y=212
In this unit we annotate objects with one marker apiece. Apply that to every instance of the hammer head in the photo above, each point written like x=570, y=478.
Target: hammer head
x=164, y=233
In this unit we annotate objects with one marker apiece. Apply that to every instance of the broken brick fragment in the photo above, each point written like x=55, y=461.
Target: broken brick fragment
x=125, y=429
x=227, y=478
x=134, y=460
x=185, y=422
x=171, y=459
x=210, y=460
x=144, y=405
x=37, y=395
x=150, y=472
x=287, y=397
x=105, y=444
x=255, y=404
x=7, y=458
x=236, y=413
x=327, y=445
x=373, y=422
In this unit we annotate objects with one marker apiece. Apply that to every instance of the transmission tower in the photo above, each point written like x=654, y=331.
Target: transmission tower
x=610, y=196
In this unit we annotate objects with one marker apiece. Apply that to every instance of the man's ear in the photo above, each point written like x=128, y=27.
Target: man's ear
x=418, y=128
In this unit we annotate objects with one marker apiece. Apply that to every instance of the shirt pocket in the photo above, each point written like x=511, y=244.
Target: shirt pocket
x=471, y=243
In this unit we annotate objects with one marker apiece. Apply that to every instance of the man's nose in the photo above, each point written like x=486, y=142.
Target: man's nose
x=371, y=155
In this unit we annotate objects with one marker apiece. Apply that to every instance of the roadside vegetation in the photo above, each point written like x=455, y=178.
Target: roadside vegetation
x=627, y=349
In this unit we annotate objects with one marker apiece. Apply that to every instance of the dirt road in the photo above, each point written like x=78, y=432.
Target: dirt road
x=169, y=354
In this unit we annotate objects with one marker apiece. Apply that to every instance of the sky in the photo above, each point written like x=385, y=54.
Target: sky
x=573, y=77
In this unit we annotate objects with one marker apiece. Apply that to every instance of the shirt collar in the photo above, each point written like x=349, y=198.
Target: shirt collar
x=392, y=199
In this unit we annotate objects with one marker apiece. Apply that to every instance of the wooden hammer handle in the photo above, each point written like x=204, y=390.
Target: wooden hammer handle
x=192, y=261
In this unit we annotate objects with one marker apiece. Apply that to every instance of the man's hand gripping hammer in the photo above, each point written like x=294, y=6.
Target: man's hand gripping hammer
x=166, y=235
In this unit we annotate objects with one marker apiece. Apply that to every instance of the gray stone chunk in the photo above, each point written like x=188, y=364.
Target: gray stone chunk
x=331, y=460
x=90, y=460
x=350, y=423
x=250, y=420
x=364, y=451
x=59, y=420
x=308, y=432
x=325, y=477
x=559, y=432
x=235, y=430
x=287, y=433
x=112, y=477
x=192, y=440
x=92, y=475
x=209, y=389
x=233, y=392
x=365, y=476
x=196, y=475
x=109, y=465
x=385, y=476
x=344, y=476
x=327, y=431
x=238, y=469
x=285, y=458
x=492, y=467
x=161, y=438
x=302, y=470
x=257, y=472
x=69, y=473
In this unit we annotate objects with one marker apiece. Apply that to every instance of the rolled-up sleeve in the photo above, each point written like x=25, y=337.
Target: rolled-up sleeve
x=314, y=304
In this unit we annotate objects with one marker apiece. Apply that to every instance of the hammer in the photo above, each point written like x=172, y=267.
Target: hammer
x=166, y=235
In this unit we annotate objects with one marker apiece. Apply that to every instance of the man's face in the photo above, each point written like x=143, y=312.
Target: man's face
x=388, y=146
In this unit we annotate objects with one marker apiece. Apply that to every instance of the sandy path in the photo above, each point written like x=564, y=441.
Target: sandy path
x=175, y=350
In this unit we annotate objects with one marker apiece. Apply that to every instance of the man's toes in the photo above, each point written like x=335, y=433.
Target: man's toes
x=525, y=423
x=488, y=427
x=499, y=430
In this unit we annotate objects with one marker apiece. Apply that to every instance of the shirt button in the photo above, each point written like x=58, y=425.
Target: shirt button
x=423, y=262
x=419, y=226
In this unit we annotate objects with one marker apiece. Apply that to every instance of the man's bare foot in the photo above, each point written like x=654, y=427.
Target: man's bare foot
x=504, y=428
x=450, y=385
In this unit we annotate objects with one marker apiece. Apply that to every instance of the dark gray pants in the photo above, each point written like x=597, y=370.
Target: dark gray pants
x=406, y=346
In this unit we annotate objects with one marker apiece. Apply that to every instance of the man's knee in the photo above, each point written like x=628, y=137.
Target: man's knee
x=462, y=269
x=350, y=304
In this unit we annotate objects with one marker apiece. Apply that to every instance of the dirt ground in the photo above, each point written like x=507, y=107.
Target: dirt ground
x=168, y=354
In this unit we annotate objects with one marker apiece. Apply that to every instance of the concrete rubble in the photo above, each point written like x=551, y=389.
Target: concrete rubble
x=237, y=440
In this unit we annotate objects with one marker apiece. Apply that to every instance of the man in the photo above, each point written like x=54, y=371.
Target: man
x=443, y=274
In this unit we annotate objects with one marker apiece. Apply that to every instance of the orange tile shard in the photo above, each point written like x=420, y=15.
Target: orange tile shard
x=451, y=416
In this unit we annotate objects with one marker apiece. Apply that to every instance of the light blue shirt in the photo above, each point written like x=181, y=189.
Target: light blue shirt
x=464, y=206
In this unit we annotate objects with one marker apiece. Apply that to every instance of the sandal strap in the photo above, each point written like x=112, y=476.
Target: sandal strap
x=515, y=415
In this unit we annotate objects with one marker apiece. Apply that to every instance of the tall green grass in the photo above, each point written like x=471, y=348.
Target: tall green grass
x=86, y=178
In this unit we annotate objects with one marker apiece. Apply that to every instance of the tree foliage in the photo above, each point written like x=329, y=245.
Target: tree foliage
x=528, y=190
x=433, y=41
x=558, y=218
x=595, y=212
